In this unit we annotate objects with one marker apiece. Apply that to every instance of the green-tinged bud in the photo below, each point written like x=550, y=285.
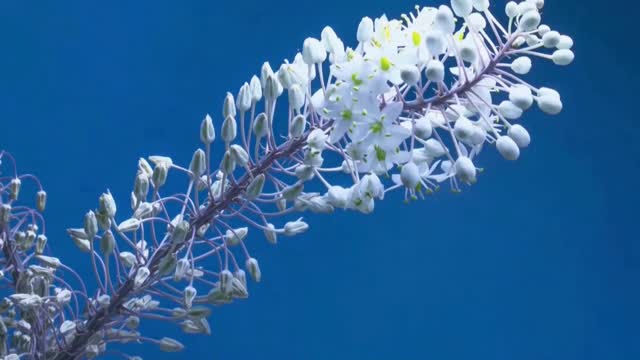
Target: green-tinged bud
x=127, y=258
x=229, y=106
x=129, y=225
x=226, y=281
x=107, y=243
x=198, y=326
x=159, y=177
x=41, y=200
x=228, y=164
x=49, y=261
x=261, y=125
x=270, y=234
x=244, y=100
x=167, y=264
x=189, y=294
x=170, y=345
x=297, y=127
x=254, y=269
x=281, y=203
x=218, y=297
x=90, y=225
x=256, y=89
x=198, y=164
x=304, y=172
x=41, y=242
x=141, y=187
x=132, y=322
x=239, y=290
x=295, y=227
x=265, y=72
x=235, y=236
x=291, y=192
x=104, y=222
x=272, y=88
x=296, y=97
x=142, y=274
x=107, y=205
x=239, y=155
x=80, y=239
x=180, y=232
x=182, y=266
x=5, y=213
x=229, y=129
x=14, y=188
x=198, y=312
x=255, y=187
x=207, y=131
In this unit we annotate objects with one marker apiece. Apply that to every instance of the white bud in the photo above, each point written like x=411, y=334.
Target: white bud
x=435, y=71
x=508, y=148
x=142, y=274
x=254, y=269
x=297, y=127
x=481, y=5
x=521, y=65
x=229, y=129
x=521, y=96
x=228, y=163
x=256, y=89
x=265, y=72
x=244, y=100
x=226, y=281
x=127, y=258
x=511, y=9
x=530, y=20
x=296, y=97
x=317, y=139
x=477, y=22
x=338, y=196
x=293, y=228
x=180, y=232
x=444, y=21
x=170, y=345
x=90, y=225
x=463, y=128
x=129, y=225
x=239, y=155
x=198, y=164
x=410, y=175
x=189, y=294
x=260, y=126
x=41, y=200
x=509, y=110
x=182, y=266
x=229, y=106
x=14, y=188
x=423, y=128
x=141, y=187
x=235, y=236
x=520, y=135
x=313, y=52
x=304, y=172
x=107, y=243
x=270, y=234
x=291, y=192
x=410, y=74
x=563, y=57
x=365, y=30
x=107, y=205
x=462, y=8
x=465, y=170
x=468, y=50
x=549, y=102
x=543, y=29
x=159, y=177
x=551, y=39
x=272, y=88
x=436, y=43
x=565, y=42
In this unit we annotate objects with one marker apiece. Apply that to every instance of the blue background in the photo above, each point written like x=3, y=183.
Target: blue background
x=539, y=260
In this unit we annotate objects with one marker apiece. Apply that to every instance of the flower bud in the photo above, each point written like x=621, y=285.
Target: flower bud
x=228, y=164
x=296, y=97
x=141, y=187
x=182, y=266
x=50, y=261
x=317, y=139
x=229, y=106
x=465, y=170
x=272, y=88
x=41, y=242
x=410, y=75
x=14, y=188
x=520, y=95
x=521, y=65
x=530, y=20
x=313, y=52
x=270, y=234
x=229, y=129
x=304, y=172
x=468, y=51
x=127, y=258
x=254, y=269
x=565, y=42
x=481, y=5
x=180, y=232
x=265, y=72
x=551, y=39
x=189, y=294
x=509, y=110
x=107, y=243
x=41, y=200
x=254, y=189
x=444, y=21
x=423, y=128
x=129, y=225
x=207, y=131
x=244, y=100
x=261, y=126
x=90, y=225
x=167, y=264
x=520, y=135
x=142, y=274
x=107, y=204
x=549, y=101
x=338, y=196
x=291, y=192
x=563, y=57
x=435, y=71
x=297, y=127
x=256, y=89
x=235, y=236
x=198, y=164
x=508, y=148
x=365, y=30
x=511, y=9
x=462, y=8
x=293, y=228
x=159, y=177
x=436, y=43
x=170, y=345
x=226, y=281
x=410, y=175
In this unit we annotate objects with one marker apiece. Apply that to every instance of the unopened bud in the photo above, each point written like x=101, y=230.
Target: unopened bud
x=14, y=188
x=198, y=164
x=244, y=100
x=297, y=127
x=235, y=236
x=254, y=269
x=41, y=200
x=254, y=189
x=229, y=129
x=189, y=294
x=261, y=126
x=90, y=225
x=229, y=106
x=107, y=243
x=159, y=175
x=228, y=164
x=207, y=131
x=239, y=154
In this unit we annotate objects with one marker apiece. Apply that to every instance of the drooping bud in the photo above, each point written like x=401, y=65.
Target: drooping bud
x=509, y=110
x=207, y=131
x=229, y=106
x=304, y=172
x=551, y=39
x=189, y=294
x=436, y=43
x=465, y=170
x=520, y=135
x=14, y=188
x=530, y=20
x=410, y=175
x=508, y=148
x=129, y=225
x=410, y=75
x=254, y=269
x=170, y=345
x=462, y=8
x=521, y=65
x=41, y=242
x=435, y=71
x=444, y=21
x=229, y=129
x=180, y=232
x=338, y=196
x=181, y=269
x=317, y=139
x=198, y=164
x=563, y=57
x=521, y=96
x=291, y=192
x=270, y=234
x=41, y=200
x=226, y=281
x=549, y=101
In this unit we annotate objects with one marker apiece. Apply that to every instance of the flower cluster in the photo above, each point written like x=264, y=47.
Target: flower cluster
x=410, y=107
